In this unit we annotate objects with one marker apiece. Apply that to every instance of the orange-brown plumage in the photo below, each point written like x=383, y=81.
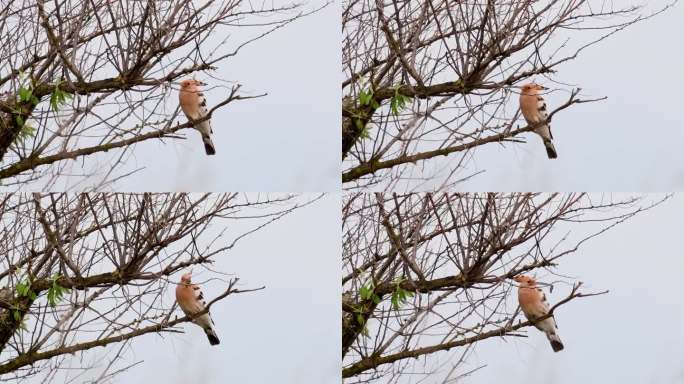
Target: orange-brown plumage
x=194, y=106
x=534, y=305
x=533, y=108
x=191, y=300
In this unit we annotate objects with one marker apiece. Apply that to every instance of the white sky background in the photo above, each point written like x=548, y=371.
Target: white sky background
x=286, y=141
x=629, y=142
x=630, y=335
x=287, y=333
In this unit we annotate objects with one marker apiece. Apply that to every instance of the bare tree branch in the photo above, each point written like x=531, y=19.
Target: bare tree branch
x=120, y=63
x=430, y=273
x=425, y=79
x=92, y=270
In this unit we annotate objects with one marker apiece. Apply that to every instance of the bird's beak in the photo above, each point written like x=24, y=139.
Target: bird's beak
x=543, y=88
x=201, y=83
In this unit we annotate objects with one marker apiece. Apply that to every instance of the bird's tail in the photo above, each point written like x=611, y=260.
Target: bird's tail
x=556, y=342
x=550, y=149
x=208, y=146
x=211, y=335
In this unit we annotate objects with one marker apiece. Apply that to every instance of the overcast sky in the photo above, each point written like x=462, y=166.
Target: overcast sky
x=630, y=335
x=287, y=333
x=286, y=141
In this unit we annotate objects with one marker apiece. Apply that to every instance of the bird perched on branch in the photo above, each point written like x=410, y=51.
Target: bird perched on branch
x=194, y=105
x=534, y=305
x=191, y=301
x=533, y=108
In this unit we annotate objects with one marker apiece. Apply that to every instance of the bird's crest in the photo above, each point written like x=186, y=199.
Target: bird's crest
x=532, y=87
x=525, y=280
x=187, y=278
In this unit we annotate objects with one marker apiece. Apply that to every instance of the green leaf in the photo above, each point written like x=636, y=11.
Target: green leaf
x=56, y=291
x=359, y=124
x=360, y=319
x=400, y=296
x=19, y=120
x=59, y=97
x=53, y=101
x=27, y=132
x=24, y=94
x=364, y=292
x=51, y=297
x=365, y=133
x=16, y=314
x=364, y=98
x=398, y=101
x=22, y=289
x=376, y=299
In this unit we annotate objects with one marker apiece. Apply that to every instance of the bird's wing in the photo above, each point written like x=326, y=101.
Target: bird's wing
x=199, y=297
x=534, y=305
x=544, y=306
x=204, y=320
x=205, y=126
x=543, y=113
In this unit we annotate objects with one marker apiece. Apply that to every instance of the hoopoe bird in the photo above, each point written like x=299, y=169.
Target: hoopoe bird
x=533, y=108
x=534, y=305
x=191, y=300
x=194, y=105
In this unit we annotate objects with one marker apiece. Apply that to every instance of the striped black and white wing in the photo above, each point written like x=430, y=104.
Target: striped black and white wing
x=543, y=113
x=205, y=126
x=205, y=320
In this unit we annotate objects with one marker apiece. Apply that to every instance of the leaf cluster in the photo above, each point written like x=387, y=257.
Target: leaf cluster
x=59, y=97
x=54, y=295
x=399, y=296
x=56, y=292
x=398, y=101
